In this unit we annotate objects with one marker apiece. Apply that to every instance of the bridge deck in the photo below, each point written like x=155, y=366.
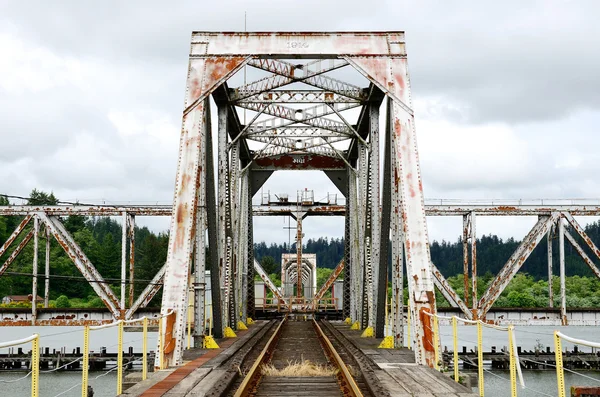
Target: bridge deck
x=207, y=371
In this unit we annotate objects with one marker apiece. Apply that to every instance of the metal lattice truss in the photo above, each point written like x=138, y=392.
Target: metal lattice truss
x=302, y=114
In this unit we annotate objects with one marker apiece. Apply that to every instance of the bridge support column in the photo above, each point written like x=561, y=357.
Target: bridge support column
x=384, y=241
x=362, y=216
x=355, y=263
x=131, y=235
x=374, y=221
x=249, y=266
x=550, y=290
x=561, y=259
x=34, y=280
x=47, y=270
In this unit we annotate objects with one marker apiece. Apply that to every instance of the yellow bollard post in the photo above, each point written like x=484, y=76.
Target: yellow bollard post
x=145, y=349
x=85, y=361
x=455, y=345
x=436, y=342
x=409, y=341
x=560, y=374
x=160, y=344
x=480, y=358
x=120, y=359
x=513, y=363
x=35, y=366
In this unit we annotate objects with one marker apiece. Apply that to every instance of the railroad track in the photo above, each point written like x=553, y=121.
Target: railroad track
x=297, y=342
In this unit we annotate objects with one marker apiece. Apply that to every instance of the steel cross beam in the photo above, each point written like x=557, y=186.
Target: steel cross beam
x=334, y=275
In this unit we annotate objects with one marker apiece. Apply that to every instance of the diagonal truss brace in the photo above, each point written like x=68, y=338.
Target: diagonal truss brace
x=514, y=263
x=265, y=277
x=311, y=116
x=148, y=293
x=448, y=292
x=16, y=252
x=290, y=73
x=14, y=235
x=82, y=263
x=577, y=227
x=334, y=275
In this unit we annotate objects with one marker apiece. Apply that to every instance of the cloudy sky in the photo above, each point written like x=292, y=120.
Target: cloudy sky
x=506, y=97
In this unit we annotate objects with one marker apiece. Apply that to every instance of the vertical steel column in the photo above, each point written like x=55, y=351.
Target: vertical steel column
x=131, y=222
x=47, y=270
x=347, y=259
x=242, y=258
x=375, y=214
x=213, y=235
x=362, y=213
x=474, y=259
x=397, y=246
x=550, y=291
x=233, y=236
x=250, y=260
x=561, y=256
x=418, y=258
x=36, y=230
x=354, y=236
x=299, y=255
x=224, y=214
x=124, y=231
x=200, y=241
x=465, y=241
x=381, y=283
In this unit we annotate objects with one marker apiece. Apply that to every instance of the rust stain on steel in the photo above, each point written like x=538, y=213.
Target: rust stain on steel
x=62, y=322
x=300, y=162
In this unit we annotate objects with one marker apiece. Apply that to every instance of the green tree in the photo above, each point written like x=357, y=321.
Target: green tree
x=62, y=302
x=268, y=264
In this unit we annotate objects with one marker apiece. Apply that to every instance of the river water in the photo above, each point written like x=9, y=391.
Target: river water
x=496, y=383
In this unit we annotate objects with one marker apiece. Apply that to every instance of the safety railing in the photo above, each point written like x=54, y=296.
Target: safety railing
x=514, y=366
x=35, y=360
x=86, y=354
x=560, y=370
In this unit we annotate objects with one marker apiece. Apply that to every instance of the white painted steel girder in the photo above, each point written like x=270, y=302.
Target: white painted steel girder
x=205, y=73
x=390, y=74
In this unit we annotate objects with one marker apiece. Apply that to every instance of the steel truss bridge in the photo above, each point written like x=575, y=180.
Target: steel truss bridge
x=301, y=118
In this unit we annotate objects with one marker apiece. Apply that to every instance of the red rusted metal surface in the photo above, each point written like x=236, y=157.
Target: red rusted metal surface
x=300, y=162
x=585, y=391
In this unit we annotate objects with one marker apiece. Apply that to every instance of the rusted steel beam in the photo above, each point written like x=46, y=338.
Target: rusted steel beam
x=13, y=236
x=265, y=277
x=390, y=74
x=297, y=96
x=515, y=262
x=510, y=210
x=465, y=242
x=86, y=210
x=35, y=266
x=205, y=74
x=309, y=45
x=561, y=263
x=131, y=234
x=430, y=209
x=474, y=259
x=82, y=263
x=148, y=293
x=448, y=292
x=550, y=289
x=47, y=270
x=332, y=277
x=16, y=252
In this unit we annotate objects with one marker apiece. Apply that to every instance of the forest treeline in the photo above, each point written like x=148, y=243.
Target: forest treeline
x=100, y=239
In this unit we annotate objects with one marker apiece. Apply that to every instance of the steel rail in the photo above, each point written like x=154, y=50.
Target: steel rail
x=345, y=379
x=253, y=376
